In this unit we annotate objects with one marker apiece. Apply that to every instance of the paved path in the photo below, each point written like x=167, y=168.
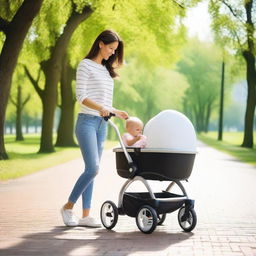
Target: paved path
x=224, y=190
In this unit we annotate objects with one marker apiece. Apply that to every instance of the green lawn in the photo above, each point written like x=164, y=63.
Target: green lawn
x=24, y=158
x=231, y=145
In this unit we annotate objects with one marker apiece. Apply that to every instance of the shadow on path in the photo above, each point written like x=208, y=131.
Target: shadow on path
x=81, y=241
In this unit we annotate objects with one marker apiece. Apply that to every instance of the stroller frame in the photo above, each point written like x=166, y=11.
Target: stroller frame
x=151, y=193
x=148, y=208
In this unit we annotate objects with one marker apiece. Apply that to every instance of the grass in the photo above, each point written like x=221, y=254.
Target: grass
x=24, y=158
x=231, y=145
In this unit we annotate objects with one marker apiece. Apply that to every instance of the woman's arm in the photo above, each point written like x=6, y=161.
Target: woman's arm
x=120, y=113
x=103, y=111
x=94, y=105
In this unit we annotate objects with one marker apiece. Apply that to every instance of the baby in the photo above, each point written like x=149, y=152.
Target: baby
x=134, y=137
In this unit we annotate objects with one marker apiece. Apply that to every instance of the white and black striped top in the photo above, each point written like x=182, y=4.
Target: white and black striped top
x=93, y=81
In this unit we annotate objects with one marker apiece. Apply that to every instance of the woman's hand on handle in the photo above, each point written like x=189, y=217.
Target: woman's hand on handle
x=121, y=114
x=104, y=112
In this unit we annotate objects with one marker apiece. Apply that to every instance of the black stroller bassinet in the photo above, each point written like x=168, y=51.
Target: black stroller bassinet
x=150, y=208
x=156, y=164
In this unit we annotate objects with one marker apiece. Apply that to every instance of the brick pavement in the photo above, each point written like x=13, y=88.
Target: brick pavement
x=224, y=190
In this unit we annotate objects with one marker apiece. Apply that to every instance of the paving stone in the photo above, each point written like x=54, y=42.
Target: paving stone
x=224, y=190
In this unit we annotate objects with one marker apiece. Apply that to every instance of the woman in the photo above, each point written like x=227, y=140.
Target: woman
x=94, y=91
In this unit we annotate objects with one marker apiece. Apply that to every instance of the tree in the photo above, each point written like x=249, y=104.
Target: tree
x=19, y=103
x=221, y=110
x=65, y=133
x=15, y=29
x=200, y=65
x=52, y=71
x=234, y=25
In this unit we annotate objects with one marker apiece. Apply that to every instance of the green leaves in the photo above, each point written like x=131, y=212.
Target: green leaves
x=145, y=90
x=200, y=65
x=9, y=8
x=153, y=35
x=229, y=23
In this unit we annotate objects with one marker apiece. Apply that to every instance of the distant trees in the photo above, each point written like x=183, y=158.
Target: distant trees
x=234, y=26
x=201, y=66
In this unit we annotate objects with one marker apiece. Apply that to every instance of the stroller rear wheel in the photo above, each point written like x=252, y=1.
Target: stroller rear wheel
x=146, y=219
x=109, y=214
x=187, y=223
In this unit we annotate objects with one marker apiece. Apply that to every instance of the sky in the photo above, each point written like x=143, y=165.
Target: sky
x=198, y=22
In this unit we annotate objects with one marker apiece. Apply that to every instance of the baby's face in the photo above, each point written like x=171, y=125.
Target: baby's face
x=135, y=129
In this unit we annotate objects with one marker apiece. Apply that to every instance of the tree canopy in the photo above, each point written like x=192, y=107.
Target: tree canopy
x=234, y=25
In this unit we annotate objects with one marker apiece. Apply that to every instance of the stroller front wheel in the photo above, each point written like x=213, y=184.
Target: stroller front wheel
x=109, y=214
x=146, y=219
x=187, y=223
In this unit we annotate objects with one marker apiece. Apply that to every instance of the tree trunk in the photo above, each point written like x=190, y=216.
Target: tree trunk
x=19, y=135
x=249, y=56
x=199, y=115
x=49, y=101
x=198, y=128
x=47, y=126
x=208, y=115
x=11, y=128
x=27, y=123
x=36, y=124
x=65, y=136
x=19, y=105
x=15, y=32
x=220, y=131
x=52, y=71
x=251, y=100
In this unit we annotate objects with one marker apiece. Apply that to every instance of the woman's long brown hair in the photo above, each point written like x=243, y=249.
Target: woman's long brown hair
x=108, y=37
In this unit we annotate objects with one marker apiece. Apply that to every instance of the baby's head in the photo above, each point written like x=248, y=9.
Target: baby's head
x=134, y=126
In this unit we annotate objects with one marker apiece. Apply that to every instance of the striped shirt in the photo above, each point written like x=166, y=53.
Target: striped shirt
x=93, y=81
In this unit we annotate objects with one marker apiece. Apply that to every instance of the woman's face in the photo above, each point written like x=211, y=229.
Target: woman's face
x=106, y=50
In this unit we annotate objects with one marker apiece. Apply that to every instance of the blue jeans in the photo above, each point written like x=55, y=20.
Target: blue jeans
x=91, y=133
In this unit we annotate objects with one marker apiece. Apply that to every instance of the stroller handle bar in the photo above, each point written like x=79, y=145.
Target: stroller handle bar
x=106, y=118
x=128, y=157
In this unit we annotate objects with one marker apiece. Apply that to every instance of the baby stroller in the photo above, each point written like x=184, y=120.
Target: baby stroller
x=149, y=208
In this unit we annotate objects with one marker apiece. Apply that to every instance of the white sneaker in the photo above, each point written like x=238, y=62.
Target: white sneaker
x=89, y=222
x=69, y=218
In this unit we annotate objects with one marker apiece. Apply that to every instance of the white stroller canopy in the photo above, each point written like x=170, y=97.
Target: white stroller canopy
x=170, y=129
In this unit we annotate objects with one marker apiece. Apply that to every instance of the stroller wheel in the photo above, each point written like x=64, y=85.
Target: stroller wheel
x=109, y=214
x=161, y=219
x=187, y=223
x=146, y=219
